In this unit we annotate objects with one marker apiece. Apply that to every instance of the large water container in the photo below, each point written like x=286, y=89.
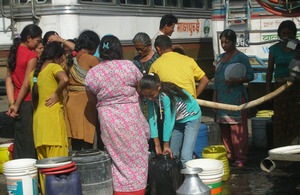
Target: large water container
x=259, y=135
x=94, y=167
x=64, y=180
x=201, y=141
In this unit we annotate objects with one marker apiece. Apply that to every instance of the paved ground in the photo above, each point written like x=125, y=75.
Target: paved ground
x=284, y=180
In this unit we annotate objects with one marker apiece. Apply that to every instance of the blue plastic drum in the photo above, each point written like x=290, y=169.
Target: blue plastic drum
x=201, y=141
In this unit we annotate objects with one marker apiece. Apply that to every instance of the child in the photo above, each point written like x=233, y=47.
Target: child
x=39, y=49
x=21, y=61
x=47, y=83
x=182, y=116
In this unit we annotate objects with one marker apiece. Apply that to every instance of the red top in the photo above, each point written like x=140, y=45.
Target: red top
x=23, y=56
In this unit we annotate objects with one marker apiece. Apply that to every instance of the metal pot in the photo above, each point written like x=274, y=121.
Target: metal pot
x=192, y=184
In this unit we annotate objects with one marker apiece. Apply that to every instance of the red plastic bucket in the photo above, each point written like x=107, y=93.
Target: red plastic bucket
x=48, y=171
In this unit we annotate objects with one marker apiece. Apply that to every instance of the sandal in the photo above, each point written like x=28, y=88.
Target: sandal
x=238, y=163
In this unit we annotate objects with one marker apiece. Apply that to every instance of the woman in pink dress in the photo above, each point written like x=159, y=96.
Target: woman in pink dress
x=124, y=129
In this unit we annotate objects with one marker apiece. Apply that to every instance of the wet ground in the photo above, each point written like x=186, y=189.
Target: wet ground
x=251, y=180
x=284, y=180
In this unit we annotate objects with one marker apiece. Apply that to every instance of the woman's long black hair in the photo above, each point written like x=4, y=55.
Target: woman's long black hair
x=110, y=48
x=47, y=35
x=31, y=30
x=52, y=51
x=87, y=40
x=151, y=82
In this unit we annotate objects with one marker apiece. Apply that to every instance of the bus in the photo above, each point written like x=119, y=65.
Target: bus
x=255, y=26
x=122, y=18
x=256, y=29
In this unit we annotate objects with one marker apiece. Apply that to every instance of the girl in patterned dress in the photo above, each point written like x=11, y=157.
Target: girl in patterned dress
x=124, y=129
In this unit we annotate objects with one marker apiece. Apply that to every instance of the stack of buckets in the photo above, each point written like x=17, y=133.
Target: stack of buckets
x=21, y=176
x=215, y=167
x=212, y=173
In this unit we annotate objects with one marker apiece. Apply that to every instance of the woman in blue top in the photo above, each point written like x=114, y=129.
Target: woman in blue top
x=286, y=105
x=233, y=124
x=182, y=116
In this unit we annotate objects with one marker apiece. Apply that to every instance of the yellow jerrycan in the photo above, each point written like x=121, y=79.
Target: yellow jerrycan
x=218, y=152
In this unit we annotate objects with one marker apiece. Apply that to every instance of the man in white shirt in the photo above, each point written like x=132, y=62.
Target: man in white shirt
x=166, y=27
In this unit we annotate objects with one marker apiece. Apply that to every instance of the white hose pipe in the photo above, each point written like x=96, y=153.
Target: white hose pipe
x=267, y=165
x=247, y=105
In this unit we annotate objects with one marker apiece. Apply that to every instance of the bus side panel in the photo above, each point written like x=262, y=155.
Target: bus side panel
x=3, y=63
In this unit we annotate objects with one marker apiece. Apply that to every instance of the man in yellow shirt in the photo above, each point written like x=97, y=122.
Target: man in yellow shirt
x=177, y=68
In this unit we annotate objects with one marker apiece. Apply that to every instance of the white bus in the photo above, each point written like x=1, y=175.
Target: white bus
x=122, y=18
x=255, y=26
x=256, y=29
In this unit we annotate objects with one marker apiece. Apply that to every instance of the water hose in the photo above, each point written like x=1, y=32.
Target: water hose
x=267, y=165
x=285, y=153
x=247, y=105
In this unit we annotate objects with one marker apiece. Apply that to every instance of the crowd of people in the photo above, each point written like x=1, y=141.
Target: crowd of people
x=69, y=94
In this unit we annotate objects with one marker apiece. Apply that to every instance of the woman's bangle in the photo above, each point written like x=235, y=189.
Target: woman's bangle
x=64, y=41
x=11, y=104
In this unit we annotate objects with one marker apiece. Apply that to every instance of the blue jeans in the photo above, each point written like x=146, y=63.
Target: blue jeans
x=184, y=137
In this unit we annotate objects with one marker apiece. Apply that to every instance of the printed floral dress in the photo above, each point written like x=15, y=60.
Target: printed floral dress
x=124, y=129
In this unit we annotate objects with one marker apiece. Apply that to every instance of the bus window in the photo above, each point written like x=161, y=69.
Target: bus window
x=169, y=3
x=101, y=1
x=37, y=1
x=209, y=4
x=136, y=2
x=193, y=3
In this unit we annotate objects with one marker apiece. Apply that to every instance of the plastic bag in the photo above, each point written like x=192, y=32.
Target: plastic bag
x=164, y=175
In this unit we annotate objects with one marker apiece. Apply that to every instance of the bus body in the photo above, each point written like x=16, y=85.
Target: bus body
x=122, y=18
x=255, y=27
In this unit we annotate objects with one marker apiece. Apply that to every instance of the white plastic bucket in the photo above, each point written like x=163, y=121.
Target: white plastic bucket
x=212, y=173
x=259, y=135
x=21, y=177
